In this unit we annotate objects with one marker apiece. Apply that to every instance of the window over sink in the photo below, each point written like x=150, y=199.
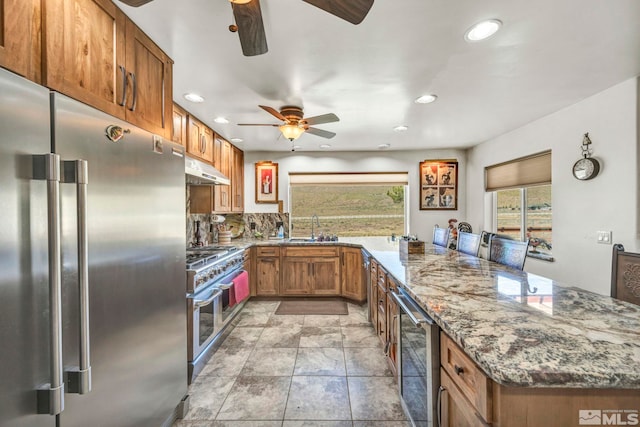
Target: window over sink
x=348, y=204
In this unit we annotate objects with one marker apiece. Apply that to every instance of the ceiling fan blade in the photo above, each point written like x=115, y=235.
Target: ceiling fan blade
x=318, y=120
x=135, y=3
x=320, y=132
x=275, y=113
x=352, y=11
x=248, y=18
x=257, y=124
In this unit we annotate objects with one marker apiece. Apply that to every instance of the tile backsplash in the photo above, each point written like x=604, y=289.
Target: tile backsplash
x=265, y=223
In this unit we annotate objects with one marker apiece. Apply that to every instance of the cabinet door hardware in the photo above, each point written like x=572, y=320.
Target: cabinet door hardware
x=123, y=101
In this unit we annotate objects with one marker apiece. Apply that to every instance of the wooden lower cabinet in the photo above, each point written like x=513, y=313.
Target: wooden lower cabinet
x=456, y=411
x=310, y=276
x=267, y=280
x=352, y=279
x=393, y=318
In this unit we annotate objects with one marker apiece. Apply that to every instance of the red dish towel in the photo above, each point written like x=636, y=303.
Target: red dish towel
x=232, y=296
x=241, y=286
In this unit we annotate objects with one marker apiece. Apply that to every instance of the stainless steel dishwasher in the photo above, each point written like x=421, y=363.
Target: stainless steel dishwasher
x=419, y=362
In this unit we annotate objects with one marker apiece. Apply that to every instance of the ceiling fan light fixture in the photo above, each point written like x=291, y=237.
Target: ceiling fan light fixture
x=426, y=99
x=291, y=132
x=401, y=128
x=193, y=97
x=221, y=120
x=482, y=30
x=240, y=1
x=237, y=140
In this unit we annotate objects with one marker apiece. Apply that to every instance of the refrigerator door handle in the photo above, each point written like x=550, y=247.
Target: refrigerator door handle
x=50, y=397
x=79, y=378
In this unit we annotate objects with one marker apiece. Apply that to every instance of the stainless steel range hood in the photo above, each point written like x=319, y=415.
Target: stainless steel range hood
x=201, y=173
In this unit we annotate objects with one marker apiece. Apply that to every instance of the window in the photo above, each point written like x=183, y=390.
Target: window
x=526, y=213
x=348, y=205
x=523, y=208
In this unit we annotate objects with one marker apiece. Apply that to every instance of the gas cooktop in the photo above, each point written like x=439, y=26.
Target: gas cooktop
x=202, y=256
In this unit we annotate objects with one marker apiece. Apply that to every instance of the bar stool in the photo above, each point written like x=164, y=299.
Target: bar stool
x=507, y=252
x=625, y=275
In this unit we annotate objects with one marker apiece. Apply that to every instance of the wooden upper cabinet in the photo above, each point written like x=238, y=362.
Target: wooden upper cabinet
x=95, y=54
x=222, y=161
x=84, y=42
x=150, y=73
x=179, y=125
x=20, y=41
x=237, y=180
x=199, y=139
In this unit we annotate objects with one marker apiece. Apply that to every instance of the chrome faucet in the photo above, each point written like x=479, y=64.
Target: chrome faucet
x=313, y=237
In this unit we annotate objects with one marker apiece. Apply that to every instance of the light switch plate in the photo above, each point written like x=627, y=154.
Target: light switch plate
x=604, y=237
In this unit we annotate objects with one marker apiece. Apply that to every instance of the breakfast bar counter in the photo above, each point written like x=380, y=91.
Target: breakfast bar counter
x=522, y=329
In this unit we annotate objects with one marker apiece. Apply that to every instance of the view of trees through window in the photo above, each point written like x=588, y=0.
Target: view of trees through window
x=348, y=210
x=537, y=215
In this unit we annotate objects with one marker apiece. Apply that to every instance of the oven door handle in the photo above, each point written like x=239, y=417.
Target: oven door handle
x=203, y=303
x=401, y=300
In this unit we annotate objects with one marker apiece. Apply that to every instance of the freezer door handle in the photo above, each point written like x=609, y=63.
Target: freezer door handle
x=79, y=378
x=50, y=397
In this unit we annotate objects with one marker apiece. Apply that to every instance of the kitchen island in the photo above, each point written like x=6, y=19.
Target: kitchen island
x=547, y=350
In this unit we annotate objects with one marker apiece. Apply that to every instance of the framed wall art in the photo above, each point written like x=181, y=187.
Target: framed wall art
x=439, y=185
x=266, y=182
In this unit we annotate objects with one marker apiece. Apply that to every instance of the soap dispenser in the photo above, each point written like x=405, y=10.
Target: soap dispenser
x=281, y=232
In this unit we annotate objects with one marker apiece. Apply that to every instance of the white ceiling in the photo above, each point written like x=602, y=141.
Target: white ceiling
x=549, y=54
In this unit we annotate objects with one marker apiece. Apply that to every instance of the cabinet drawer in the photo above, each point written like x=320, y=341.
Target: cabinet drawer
x=316, y=251
x=464, y=373
x=268, y=251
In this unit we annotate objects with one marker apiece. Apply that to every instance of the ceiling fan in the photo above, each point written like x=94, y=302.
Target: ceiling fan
x=295, y=124
x=250, y=27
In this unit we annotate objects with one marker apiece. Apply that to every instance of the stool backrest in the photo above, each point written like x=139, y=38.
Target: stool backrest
x=441, y=236
x=512, y=253
x=468, y=243
x=625, y=275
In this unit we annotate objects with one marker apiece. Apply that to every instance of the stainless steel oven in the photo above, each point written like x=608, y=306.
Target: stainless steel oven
x=210, y=300
x=419, y=361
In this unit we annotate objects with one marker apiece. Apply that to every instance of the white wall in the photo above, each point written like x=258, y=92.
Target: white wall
x=580, y=208
x=420, y=222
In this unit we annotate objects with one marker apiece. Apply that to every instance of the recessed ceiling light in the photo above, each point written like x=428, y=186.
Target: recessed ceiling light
x=426, y=99
x=325, y=146
x=221, y=120
x=237, y=139
x=401, y=128
x=193, y=97
x=482, y=30
x=383, y=146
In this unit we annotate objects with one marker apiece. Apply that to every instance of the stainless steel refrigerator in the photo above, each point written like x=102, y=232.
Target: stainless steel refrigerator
x=92, y=270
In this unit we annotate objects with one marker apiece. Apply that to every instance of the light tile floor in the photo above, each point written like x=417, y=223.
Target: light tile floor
x=296, y=371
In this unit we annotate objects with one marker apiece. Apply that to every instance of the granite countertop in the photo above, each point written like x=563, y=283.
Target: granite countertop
x=521, y=329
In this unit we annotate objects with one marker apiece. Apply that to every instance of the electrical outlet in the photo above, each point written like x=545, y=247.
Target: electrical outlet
x=252, y=226
x=604, y=237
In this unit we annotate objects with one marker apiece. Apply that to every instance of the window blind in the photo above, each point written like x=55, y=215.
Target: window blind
x=355, y=178
x=522, y=172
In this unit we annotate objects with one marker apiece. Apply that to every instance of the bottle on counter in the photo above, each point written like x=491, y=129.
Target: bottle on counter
x=281, y=232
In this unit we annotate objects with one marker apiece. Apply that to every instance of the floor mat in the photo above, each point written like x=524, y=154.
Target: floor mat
x=312, y=306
